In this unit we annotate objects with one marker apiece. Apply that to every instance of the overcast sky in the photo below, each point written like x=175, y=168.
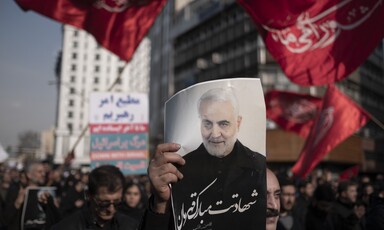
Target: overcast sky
x=29, y=44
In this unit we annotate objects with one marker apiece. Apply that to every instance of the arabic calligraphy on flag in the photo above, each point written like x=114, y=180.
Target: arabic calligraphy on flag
x=318, y=42
x=292, y=111
x=339, y=118
x=119, y=131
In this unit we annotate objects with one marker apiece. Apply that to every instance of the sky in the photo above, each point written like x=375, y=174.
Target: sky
x=29, y=44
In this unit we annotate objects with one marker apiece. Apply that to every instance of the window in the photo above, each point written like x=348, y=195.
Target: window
x=97, y=57
x=73, y=79
x=69, y=127
x=71, y=103
x=75, y=44
x=75, y=33
x=97, y=68
x=70, y=114
x=73, y=67
x=72, y=90
x=96, y=80
x=74, y=56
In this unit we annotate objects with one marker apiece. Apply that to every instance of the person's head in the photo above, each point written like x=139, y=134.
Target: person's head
x=273, y=201
x=35, y=173
x=6, y=179
x=368, y=189
x=323, y=197
x=132, y=195
x=348, y=191
x=288, y=194
x=105, y=190
x=306, y=189
x=326, y=177
x=220, y=120
x=23, y=179
x=365, y=180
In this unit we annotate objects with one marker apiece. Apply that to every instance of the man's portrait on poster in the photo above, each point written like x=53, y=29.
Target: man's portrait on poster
x=224, y=181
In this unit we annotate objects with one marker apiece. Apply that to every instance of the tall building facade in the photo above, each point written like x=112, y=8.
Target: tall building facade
x=367, y=89
x=212, y=39
x=161, y=73
x=85, y=67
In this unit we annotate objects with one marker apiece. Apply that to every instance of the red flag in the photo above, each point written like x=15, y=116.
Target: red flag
x=118, y=25
x=349, y=173
x=339, y=118
x=292, y=111
x=318, y=42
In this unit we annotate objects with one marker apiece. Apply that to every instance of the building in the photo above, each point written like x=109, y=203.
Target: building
x=84, y=67
x=161, y=73
x=47, y=144
x=367, y=89
x=216, y=39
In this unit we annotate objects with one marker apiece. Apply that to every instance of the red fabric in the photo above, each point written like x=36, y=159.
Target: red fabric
x=119, y=26
x=318, y=42
x=349, y=173
x=292, y=111
x=340, y=117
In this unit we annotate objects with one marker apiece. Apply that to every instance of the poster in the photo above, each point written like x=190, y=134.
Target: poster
x=221, y=127
x=119, y=131
x=33, y=215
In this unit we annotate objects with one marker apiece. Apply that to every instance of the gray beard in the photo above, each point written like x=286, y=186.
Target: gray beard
x=220, y=152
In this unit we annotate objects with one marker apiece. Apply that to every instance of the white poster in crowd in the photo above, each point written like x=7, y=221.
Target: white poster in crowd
x=221, y=127
x=33, y=215
x=3, y=154
x=119, y=131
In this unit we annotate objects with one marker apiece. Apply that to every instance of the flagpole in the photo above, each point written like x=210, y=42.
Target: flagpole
x=374, y=119
x=109, y=89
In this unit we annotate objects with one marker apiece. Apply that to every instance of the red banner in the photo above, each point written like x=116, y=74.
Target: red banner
x=292, y=111
x=339, y=118
x=119, y=26
x=349, y=173
x=318, y=42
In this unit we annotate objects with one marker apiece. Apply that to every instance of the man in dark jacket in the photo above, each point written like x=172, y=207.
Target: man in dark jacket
x=289, y=216
x=345, y=216
x=16, y=197
x=105, y=189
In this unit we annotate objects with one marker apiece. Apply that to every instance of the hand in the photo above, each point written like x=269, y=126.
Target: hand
x=162, y=172
x=79, y=203
x=359, y=211
x=20, y=197
x=43, y=198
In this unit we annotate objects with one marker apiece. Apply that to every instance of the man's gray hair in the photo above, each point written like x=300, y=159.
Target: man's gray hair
x=31, y=165
x=220, y=95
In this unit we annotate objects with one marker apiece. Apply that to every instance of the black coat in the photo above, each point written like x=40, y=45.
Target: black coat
x=12, y=216
x=83, y=220
x=344, y=218
x=135, y=213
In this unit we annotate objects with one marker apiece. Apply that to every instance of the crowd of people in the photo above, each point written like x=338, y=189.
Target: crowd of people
x=72, y=193
x=320, y=202
x=328, y=202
